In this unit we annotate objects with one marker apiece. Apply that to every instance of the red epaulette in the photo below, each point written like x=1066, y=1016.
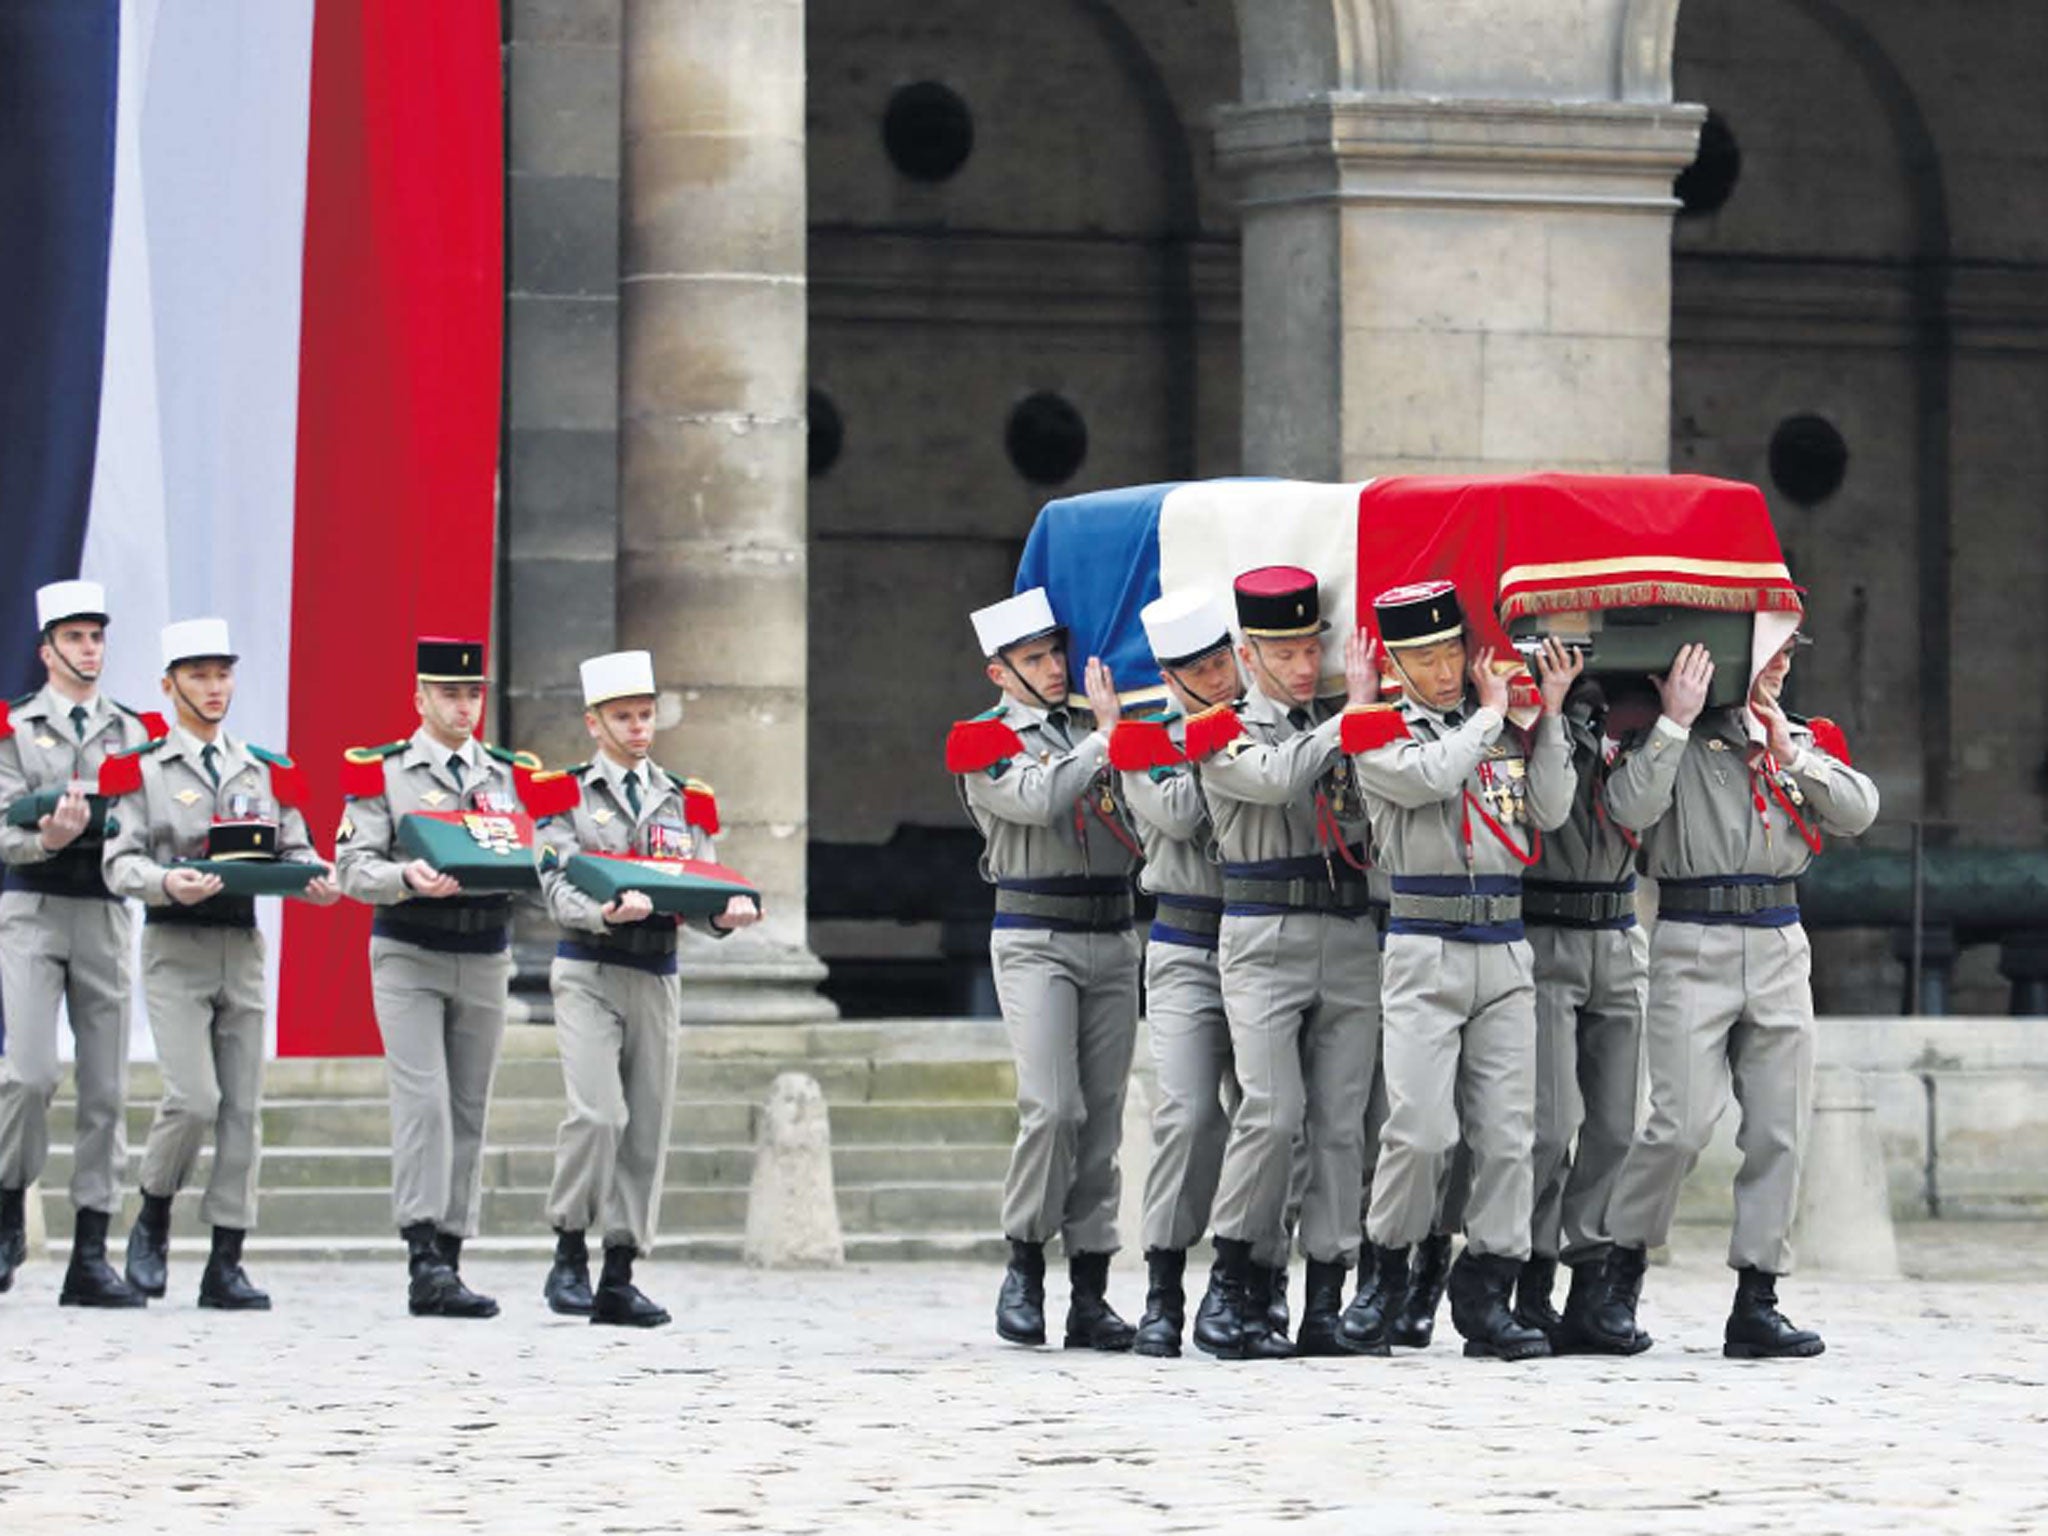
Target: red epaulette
x=153, y=724
x=120, y=774
x=1138, y=745
x=6, y=721
x=1829, y=738
x=973, y=745
x=700, y=807
x=1371, y=727
x=542, y=792
x=362, y=777
x=1211, y=731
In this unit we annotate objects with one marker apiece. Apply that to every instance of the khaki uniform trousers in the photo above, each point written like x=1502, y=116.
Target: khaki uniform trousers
x=1460, y=1065
x=205, y=992
x=1070, y=1003
x=442, y=1017
x=1192, y=1064
x=68, y=950
x=1590, y=985
x=1730, y=1007
x=618, y=1029
x=1302, y=990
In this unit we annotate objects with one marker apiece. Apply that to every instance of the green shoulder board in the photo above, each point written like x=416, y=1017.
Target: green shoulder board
x=369, y=754
x=516, y=759
x=265, y=755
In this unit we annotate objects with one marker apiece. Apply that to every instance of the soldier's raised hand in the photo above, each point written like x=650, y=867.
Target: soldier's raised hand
x=1683, y=689
x=1361, y=670
x=1101, y=690
x=63, y=826
x=1777, y=729
x=1493, y=688
x=1558, y=666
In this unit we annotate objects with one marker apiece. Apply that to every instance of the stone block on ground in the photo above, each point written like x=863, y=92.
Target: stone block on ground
x=792, y=1214
x=1845, y=1215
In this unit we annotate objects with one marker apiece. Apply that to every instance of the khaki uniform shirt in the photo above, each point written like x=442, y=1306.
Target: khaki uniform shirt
x=603, y=822
x=1173, y=826
x=368, y=863
x=1589, y=846
x=1052, y=811
x=1416, y=785
x=1691, y=796
x=1262, y=788
x=44, y=752
x=168, y=818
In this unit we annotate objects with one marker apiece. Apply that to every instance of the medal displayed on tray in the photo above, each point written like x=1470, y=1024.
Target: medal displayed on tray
x=680, y=886
x=488, y=846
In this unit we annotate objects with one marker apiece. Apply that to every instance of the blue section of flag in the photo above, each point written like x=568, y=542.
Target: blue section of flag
x=58, y=72
x=1097, y=556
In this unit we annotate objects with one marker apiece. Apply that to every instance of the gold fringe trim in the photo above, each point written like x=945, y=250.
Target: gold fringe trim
x=1650, y=593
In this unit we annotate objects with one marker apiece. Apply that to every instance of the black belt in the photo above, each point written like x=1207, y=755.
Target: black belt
x=1310, y=883
x=1466, y=911
x=1196, y=921
x=214, y=912
x=1080, y=904
x=1579, y=904
x=68, y=872
x=1754, y=901
x=445, y=917
x=650, y=938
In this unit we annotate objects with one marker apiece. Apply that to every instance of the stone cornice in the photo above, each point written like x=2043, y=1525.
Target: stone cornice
x=1414, y=151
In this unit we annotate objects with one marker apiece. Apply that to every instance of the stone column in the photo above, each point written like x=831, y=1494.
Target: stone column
x=1457, y=234
x=712, y=450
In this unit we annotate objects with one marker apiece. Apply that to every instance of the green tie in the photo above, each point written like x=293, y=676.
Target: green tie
x=633, y=792
x=78, y=720
x=206, y=756
x=455, y=767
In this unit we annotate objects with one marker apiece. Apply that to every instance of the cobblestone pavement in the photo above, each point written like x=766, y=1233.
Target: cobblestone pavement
x=880, y=1397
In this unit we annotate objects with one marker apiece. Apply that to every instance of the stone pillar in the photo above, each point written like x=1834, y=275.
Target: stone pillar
x=1457, y=234
x=712, y=450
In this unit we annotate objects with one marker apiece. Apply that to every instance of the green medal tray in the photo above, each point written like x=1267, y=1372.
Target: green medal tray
x=684, y=887
x=30, y=810
x=256, y=877
x=483, y=851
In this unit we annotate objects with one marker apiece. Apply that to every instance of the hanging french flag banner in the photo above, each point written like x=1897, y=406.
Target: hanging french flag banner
x=250, y=301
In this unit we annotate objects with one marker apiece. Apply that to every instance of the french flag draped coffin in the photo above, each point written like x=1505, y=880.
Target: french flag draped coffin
x=250, y=299
x=1514, y=545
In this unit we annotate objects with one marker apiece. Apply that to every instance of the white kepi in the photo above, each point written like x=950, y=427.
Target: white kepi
x=192, y=639
x=1185, y=624
x=62, y=600
x=1014, y=620
x=619, y=675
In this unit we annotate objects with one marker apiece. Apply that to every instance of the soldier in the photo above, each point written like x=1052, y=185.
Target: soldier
x=1449, y=787
x=440, y=964
x=1727, y=828
x=202, y=958
x=1592, y=966
x=618, y=1000
x=1299, y=961
x=1190, y=636
x=1035, y=778
x=64, y=939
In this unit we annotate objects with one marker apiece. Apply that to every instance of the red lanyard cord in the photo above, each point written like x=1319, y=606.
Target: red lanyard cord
x=1330, y=834
x=1500, y=833
x=1769, y=779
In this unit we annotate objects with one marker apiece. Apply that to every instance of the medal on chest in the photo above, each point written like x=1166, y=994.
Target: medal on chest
x=670, y=839
x=1504, y=787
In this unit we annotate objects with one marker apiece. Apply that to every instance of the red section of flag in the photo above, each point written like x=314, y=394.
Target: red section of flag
x=1138, y=745
x=399, y=349
x=1369, y=729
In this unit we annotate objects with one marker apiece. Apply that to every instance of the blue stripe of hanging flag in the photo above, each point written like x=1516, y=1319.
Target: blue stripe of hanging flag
x=1097, y=556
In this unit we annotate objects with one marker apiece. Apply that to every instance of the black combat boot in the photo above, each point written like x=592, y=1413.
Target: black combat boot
x=1414, y=1325
x=568, y=1285
x=149, y=1245
x=435, y=1289
x=1092, y=1322
x=1608, y=1325
x=90, y=1280
x=1757, y=1330
x=1020, y=1305
x=1165, y=1304
x=1221, y=1329
x=13, y=1235
x=1572, y=1336
x=617, y=1299
x=1322, y=1302
x=225, y=1286
x=1260, y=1341
x=1481, y=1286
x=1382, y=1286
x=1533, y=1309
x=1278, y=1318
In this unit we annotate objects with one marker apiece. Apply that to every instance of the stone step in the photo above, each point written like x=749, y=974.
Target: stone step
x=714, y=1078
x=685, y=1209
x=532, y=1167
x=532, y=1122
